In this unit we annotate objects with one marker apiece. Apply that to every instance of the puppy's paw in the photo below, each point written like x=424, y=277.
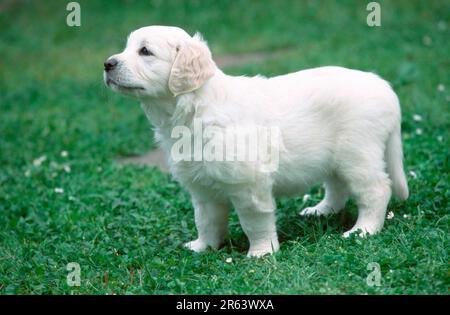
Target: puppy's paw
x=317, y=210
x=263, y=248
x=361, y=231
x=350, y=232
x=196, y=245
x=259, y=253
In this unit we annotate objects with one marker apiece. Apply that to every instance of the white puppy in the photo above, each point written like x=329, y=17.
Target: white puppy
x=337, y=126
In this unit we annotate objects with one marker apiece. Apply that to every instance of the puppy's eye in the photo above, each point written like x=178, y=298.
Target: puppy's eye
x=145, y=52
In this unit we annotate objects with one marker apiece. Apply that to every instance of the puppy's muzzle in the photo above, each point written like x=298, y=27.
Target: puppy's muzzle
x=110, y=64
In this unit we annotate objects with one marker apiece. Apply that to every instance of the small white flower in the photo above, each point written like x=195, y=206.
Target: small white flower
x=27, y=173
x=38, y=162
x=306, y=197
x=99, y=169
x=442, y=26
x=64, y=153
x=413, y=174
x=390, y=215
x=440, y=138
x=59, y=190
x=406, y=216
x=426, y=40
x=229, y=260
x=441, y=87
x=417, y=117
x=419, y=131
x=251, y=271
x=67, y=169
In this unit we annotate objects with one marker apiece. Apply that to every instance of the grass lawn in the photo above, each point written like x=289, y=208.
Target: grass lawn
x=64, y=198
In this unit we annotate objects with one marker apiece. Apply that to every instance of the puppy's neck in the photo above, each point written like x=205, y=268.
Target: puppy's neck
x=159, y=110
x=166, y=112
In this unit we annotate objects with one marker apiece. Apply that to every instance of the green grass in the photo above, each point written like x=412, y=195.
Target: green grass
x=115, y=220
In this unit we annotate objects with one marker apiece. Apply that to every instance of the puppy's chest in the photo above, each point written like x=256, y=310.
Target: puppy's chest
x=212, y=174
x=215, y=153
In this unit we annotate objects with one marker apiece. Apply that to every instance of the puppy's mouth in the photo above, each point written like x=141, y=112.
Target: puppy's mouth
x=125, y=88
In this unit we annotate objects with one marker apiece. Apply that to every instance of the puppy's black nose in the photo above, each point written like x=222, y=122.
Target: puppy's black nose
x=110, y=64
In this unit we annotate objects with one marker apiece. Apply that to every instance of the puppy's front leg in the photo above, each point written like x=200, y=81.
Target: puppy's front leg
x=257, y=217
x=211, y=220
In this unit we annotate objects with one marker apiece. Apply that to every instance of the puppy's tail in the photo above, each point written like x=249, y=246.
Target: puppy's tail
x=394, y=160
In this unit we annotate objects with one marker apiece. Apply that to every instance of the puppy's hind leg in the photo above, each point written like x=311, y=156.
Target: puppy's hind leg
x=370, y=185
x=336, y=196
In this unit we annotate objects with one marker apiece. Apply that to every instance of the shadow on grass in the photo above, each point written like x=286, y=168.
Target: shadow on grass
x=292, y=227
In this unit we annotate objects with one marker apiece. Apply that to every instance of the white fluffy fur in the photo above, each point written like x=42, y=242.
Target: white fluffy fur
x=339, y=126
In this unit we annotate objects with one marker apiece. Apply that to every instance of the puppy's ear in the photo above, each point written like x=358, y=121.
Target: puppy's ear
x=193, y=65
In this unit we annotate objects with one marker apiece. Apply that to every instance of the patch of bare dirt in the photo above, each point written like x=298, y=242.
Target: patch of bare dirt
x=154, y=157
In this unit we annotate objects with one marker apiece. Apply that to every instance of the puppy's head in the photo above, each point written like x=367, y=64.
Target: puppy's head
x=159, y=61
